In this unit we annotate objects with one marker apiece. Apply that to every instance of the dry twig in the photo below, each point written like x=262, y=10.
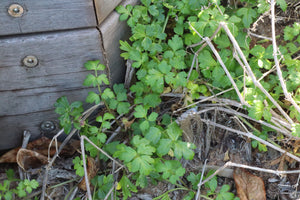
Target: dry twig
x=251, y=74
x=250, y=135
x=82, y=138
x=287, y=95
x=231, y=164
x=84, y=116
x=208, y=42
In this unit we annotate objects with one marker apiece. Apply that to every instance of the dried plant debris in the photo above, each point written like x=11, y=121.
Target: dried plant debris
x=249, y=186
x=41, y=146
x=91, y=172
x=28, y=159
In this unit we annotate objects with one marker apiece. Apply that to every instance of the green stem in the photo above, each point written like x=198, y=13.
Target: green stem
x=205, y=197
x=100, y=93
x=64, y=183
x=165, y=25
x=156, y=198
x=253, y=128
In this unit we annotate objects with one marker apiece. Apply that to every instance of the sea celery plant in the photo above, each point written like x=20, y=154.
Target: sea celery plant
x=24, y=187
x=167, y=56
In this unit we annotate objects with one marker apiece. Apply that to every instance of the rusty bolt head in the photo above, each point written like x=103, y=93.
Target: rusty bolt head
x=30, y=61
x=47, y=126
x=15, y=10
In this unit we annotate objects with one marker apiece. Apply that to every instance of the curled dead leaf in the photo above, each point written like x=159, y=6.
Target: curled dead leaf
x=41, y=146
x=10, y=156
x=28, y=159
x=249, y=186
x=91, y=171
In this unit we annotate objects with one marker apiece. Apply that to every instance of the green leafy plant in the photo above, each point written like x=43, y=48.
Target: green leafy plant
x=78, y=166
x=211, y=186
x=69, y=113
x=24, y=187
x=126, y=186
x=168, y=56
x=103, y=184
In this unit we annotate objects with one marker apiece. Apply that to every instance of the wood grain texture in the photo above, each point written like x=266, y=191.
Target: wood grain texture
x=27, y=112
x=42, y=16
x=104, y=8
x=61, y=57
x=37, y=100
x=112, y=31
x=12, y=127
x=27, y=95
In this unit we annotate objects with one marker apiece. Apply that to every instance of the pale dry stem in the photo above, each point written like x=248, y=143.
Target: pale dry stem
x=230, y=111
x=202, y=100
x=231, y=164
x=89, y=194
x=84, y=116
x=200, y=182
x=287, y=95
x=82, y=138
x=246, y=67
x=252, y=136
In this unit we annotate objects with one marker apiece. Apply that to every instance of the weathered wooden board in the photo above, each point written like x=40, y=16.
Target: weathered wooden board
x=104, y=8
x=112, y=31
x=41, y=16
x=12, y=127
x=21, y=112
x=27, y=95
x=60, y=59
x=22, y=102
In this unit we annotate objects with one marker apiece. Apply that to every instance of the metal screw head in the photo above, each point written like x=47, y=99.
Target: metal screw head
x=15, y=10
x=47, y=126
x=30, y=61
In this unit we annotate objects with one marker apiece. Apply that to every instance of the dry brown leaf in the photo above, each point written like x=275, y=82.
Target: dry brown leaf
x=226, y=156
x=28, y=159
x=91, y=171
x=289, y=159
x=127, y=124
x=41, y=146
x=296, y=146
x=282, y=163
x=249, y=186
x=276, y=161
x=73, y=146
x=10, y=156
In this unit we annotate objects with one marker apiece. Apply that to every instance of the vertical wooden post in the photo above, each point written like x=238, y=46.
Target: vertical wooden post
x=104, y=8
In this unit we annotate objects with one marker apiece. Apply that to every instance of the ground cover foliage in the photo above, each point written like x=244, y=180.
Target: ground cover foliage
x=208, y=86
